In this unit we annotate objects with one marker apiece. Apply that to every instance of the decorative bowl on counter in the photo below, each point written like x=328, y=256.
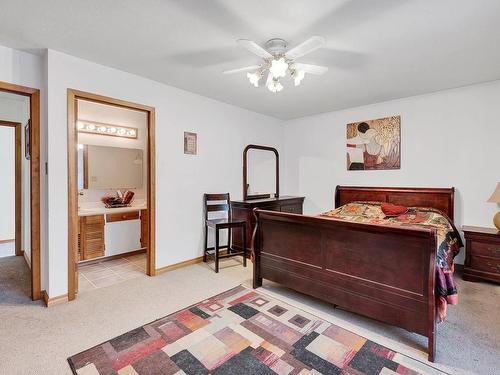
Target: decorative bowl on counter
x=119, y=200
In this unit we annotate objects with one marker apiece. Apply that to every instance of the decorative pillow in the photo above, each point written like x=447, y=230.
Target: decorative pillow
x=391, y=210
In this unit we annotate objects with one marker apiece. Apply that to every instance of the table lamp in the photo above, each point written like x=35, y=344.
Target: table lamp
x=495, y=198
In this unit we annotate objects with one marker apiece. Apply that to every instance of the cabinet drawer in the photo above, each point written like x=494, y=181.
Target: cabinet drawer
x=94, y=219
x=134, y=215
x=485, y=264
x=485, y=249
x=292, y=208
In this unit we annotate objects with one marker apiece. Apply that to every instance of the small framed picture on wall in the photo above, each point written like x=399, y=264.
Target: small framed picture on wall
x=27, y=140
x=190, y=143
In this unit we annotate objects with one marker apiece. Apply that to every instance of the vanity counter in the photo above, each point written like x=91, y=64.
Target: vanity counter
x=90, y=211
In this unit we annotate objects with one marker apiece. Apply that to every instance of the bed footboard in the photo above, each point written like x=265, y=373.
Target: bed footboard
x=384, y=273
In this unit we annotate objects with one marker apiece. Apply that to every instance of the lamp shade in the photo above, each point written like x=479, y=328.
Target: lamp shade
x=495, y=197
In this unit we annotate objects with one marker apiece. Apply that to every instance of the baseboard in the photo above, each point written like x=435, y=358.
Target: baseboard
x=179, y=265
x=111, y=257
x=7, y=241
x=28, y=261
x=49, y=302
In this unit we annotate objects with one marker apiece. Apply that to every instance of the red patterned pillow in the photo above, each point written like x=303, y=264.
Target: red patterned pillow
x=391, y=210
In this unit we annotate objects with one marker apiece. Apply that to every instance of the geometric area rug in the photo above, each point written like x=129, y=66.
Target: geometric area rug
x=242, y=332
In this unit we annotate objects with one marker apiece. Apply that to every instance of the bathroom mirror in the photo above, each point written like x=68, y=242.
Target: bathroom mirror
x=260, y=172
x=103, y=167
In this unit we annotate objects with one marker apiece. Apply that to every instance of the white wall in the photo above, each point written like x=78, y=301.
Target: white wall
x=449, y=138
x=223, y=132
x=8, y=184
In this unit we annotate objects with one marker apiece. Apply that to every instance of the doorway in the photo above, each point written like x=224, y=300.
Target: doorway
x=11, y=199
x=93, y=227
x=31, y=131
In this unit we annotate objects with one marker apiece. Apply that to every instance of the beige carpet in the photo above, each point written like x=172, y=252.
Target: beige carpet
x=37, y=340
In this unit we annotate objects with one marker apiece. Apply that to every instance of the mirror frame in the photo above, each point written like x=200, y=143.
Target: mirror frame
x=245, y=169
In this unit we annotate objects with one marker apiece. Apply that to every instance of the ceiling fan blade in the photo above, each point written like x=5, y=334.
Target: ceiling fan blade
x=312, y=69
x=306, y=47
x=246, y=68
x=254, y=48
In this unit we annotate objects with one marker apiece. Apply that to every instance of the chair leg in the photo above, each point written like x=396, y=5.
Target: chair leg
x=244, y=245
x=206, y=244
x=216, y=250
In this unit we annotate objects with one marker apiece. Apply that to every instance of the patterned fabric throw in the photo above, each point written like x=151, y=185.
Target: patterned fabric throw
x=242, y=332
x=449, y=241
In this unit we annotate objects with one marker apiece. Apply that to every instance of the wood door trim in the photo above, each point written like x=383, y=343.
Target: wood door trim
x=34, y=95
x=18, y=192
x=73, y=95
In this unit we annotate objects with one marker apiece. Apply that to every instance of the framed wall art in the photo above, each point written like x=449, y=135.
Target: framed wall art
x=374, y=144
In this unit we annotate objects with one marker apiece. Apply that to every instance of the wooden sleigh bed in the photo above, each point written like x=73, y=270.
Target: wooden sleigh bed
x=385, y=273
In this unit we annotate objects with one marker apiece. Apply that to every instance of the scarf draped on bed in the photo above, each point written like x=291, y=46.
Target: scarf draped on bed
x=448, y=240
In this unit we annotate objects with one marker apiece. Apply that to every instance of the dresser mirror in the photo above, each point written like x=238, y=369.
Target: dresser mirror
x=260, y=172
x=103, y=167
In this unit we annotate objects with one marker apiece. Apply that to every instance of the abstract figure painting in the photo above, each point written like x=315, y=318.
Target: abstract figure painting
x=374, y=144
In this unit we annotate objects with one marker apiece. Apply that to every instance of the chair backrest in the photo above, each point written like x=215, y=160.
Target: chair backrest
x=217, y=203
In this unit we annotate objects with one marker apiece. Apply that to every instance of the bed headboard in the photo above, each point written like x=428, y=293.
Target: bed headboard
x=440, y=198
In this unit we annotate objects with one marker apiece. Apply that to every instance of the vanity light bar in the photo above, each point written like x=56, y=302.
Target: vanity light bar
x=101, y=128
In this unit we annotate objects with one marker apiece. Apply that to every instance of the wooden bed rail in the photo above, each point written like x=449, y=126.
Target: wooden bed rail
x=385, y=273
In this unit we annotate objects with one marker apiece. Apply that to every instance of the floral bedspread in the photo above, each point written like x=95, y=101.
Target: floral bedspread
x=448, y=239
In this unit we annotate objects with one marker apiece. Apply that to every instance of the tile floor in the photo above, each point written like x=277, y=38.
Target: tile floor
x=110, y=272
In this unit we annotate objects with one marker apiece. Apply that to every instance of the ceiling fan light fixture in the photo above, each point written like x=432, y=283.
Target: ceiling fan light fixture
x=278, y=62
x=254, y=78
x=275, y=85
x=298, y=76
x=278, y=67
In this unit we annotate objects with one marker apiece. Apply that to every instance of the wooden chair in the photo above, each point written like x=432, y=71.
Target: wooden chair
x=212, y=204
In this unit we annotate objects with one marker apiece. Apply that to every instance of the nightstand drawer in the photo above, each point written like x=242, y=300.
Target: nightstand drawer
x=485, y=249
x=485, y=264
x=292, y=208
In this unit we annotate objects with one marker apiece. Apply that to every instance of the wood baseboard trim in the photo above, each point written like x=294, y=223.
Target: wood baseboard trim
x=50, y=302
x=179, y=265
x=28, y=261
x=7, y=241
x=111, y=257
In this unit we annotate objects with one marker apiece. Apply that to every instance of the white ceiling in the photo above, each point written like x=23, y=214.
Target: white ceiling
x=376, y=49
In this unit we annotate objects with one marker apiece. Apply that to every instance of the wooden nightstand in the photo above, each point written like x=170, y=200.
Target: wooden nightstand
x=482, y=259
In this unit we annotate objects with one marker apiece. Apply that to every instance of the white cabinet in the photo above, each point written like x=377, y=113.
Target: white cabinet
x=122, y=236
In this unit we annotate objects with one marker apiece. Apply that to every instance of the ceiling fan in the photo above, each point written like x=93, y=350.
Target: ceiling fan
x=278, y=61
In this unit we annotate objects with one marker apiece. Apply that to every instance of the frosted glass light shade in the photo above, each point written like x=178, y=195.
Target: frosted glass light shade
x=278, y=68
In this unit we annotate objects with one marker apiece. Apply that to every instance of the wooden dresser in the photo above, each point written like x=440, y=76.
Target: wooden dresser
x=482, y=258
x=244, y=210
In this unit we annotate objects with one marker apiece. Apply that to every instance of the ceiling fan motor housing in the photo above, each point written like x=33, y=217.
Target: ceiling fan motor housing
x=276, y=46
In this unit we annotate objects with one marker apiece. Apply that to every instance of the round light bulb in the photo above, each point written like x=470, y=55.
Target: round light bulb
x=90, y=127
x=131, y=133
x=80, y=125
x=112, y=130
x=121, y=131
x=102, y=129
